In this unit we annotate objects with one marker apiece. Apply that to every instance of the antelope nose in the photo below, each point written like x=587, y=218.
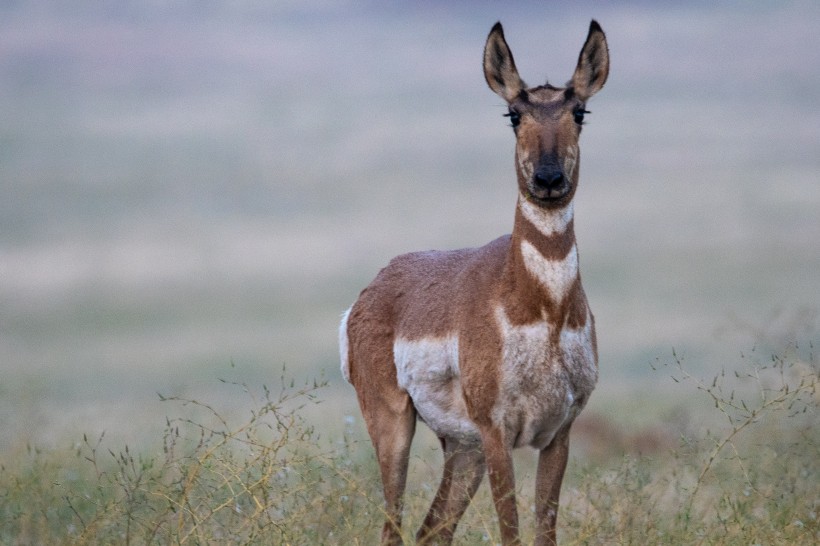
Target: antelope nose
x=549, y=180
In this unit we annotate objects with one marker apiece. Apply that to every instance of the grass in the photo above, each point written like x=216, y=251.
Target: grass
x=743, y=472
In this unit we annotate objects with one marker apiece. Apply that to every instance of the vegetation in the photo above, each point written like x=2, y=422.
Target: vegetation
x=745, y=474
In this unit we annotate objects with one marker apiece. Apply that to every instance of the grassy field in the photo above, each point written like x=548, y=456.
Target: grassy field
x=197, y=190
x=744, y=472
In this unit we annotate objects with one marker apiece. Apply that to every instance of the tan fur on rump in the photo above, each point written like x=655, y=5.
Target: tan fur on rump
x=492, y=347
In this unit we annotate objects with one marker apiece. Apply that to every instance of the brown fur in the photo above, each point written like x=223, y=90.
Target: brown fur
x=493, y=347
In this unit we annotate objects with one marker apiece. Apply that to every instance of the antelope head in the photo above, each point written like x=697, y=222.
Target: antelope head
x=547, y=120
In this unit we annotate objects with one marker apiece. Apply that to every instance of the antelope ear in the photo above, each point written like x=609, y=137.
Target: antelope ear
x=593, y=64
x=499, y=67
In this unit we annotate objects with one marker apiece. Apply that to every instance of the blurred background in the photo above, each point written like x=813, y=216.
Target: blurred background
x=194, y=190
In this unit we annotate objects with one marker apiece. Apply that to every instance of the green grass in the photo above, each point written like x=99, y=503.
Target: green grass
x=743, y=472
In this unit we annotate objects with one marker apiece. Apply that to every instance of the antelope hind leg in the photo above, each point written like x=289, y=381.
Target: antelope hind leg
x=391, y=429
x=464, y=468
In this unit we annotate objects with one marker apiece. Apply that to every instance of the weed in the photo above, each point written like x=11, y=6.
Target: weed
x=748, y=475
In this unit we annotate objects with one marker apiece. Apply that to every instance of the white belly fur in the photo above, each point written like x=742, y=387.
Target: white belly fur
x=541, y=390
x=428, y=370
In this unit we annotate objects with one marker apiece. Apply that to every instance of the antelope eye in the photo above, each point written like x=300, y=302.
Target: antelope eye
x=578, y=114
x=515, y=118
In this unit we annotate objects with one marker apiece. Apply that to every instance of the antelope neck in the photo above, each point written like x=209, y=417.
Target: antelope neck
x=544, y=238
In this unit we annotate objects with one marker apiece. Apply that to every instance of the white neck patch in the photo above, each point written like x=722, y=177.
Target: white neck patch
x=547, y=221
x=556, y=276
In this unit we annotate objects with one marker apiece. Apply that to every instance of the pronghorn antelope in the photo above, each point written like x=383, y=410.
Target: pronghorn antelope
x=492, y=347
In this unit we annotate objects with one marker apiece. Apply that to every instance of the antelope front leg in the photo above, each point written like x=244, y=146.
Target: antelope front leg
x=502, y=484
x=552, y=462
